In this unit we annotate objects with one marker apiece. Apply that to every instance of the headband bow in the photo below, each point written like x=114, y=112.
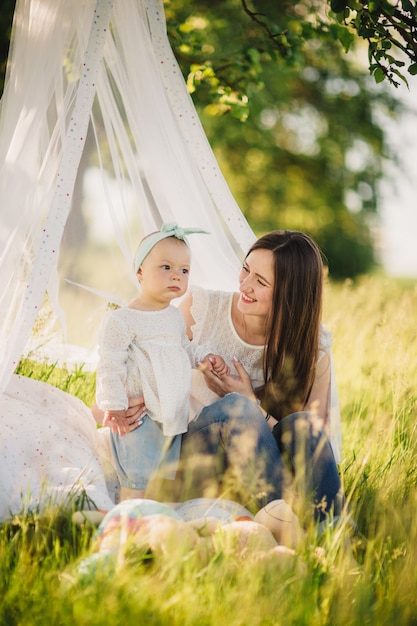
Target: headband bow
x=167, y=230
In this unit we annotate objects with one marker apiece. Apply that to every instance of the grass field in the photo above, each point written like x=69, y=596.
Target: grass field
x=375, y=347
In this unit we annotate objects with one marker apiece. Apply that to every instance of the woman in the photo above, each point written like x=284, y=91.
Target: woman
x=270, y=333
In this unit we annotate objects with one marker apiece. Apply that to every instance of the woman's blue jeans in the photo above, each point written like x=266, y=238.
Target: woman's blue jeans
x=230, y=452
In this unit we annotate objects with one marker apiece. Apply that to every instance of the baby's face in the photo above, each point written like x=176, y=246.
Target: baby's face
x=164, y=273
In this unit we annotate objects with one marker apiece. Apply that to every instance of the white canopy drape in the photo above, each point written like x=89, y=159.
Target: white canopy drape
x=107, y=63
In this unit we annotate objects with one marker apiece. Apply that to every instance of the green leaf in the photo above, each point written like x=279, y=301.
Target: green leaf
x=373, y=6
x=338, y=5
x=356, y=6
x=413, y=69
x=379, y=75
x=345, y=36
x=408, y=6
x=400, y=75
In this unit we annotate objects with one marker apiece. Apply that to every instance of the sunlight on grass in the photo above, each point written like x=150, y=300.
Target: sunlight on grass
x=337, y=578
x=77, y=382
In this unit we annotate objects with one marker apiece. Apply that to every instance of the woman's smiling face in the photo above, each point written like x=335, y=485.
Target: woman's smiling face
x=256, y=283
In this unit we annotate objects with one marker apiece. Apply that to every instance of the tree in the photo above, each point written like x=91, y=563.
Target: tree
x=309, y=153
x=388, y=27
x=291, y=116
x=390, y=30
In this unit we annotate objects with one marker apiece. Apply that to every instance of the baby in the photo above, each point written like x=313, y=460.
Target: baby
x=144, y=351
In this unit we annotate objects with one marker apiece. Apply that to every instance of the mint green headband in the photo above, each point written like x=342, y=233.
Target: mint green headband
x=167, y=230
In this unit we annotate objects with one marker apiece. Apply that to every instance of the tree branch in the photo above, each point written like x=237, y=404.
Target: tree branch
x=265, y=27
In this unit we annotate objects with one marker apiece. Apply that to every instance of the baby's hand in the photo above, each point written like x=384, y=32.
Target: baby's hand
x=116, y=421
x=218, y=365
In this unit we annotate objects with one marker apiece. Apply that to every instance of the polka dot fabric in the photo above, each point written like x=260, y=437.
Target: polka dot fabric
x=49, y=448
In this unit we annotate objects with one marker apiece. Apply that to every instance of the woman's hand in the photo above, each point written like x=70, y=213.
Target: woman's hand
x=216, y=364
x=228, y=383
x=133, y=414
x=116, y=421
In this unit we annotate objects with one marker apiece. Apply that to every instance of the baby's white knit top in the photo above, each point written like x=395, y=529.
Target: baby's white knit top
x=147, y=353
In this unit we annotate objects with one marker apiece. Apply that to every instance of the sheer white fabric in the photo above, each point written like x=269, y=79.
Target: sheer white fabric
x=50, y=449
x=63, y=55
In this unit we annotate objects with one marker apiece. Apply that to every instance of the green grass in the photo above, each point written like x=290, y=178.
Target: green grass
x=77, y=382
x=375, y=346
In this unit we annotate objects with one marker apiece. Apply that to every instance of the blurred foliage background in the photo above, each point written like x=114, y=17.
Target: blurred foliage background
x=293, y=113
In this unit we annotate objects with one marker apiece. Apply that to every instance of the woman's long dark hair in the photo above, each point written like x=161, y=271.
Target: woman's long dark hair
x=293, y=327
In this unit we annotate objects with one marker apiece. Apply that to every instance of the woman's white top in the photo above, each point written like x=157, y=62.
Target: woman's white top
x=212, y=312
x=147, y=353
